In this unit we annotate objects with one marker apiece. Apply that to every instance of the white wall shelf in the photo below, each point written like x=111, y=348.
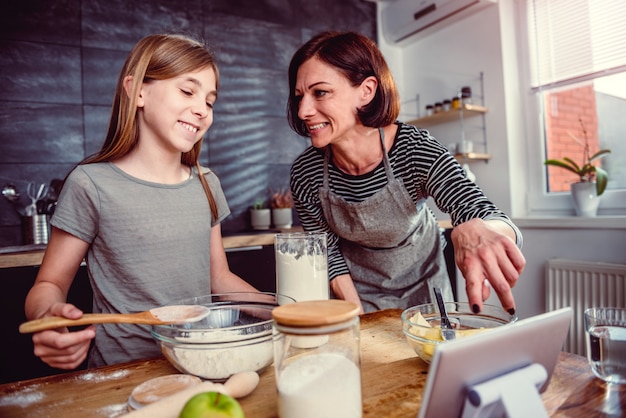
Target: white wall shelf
x=458, y=115
x=452, y=115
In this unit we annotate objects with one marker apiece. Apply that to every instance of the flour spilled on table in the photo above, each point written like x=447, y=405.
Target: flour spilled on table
x=26, y=397
x=112, y=411
x=103, y=376
x=23, y=398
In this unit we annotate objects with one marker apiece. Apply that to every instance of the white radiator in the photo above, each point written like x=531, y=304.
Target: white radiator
x=581, y=285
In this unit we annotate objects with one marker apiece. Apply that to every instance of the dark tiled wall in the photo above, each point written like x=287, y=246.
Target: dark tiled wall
x=59, y=60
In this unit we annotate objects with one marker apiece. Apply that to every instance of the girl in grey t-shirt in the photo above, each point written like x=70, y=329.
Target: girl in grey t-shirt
x=142, y=211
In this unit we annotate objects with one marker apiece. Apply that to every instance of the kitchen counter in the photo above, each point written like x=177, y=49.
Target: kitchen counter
x=32, y=255
x=393, y=380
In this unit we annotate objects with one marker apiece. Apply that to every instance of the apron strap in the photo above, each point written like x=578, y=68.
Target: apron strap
x=326, y=160
x=388, y=171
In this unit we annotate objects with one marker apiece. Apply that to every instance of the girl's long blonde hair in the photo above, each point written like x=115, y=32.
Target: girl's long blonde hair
x=155, y=57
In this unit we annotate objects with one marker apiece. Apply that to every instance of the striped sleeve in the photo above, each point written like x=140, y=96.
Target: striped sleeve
x=429, y=170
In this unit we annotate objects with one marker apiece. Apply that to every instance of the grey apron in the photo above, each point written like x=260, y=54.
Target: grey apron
x=392, y=247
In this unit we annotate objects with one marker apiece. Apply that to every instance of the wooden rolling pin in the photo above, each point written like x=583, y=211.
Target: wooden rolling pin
x=237, y=386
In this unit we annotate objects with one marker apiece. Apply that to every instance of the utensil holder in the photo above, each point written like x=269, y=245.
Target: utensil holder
x=35, y=229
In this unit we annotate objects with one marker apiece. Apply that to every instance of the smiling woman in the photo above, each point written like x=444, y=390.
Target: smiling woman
x=365, y=180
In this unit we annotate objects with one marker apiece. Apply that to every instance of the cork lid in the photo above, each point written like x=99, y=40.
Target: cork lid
x=313, y=313
x=158, y=388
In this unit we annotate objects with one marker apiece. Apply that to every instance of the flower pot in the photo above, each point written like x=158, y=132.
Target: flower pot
x=585, y=198
x=260, y=218
x=282, y=217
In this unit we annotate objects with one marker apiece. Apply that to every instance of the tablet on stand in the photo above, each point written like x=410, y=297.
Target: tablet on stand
x=500, y=373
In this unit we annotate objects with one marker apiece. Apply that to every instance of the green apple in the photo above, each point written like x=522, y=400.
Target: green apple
x=212, y=405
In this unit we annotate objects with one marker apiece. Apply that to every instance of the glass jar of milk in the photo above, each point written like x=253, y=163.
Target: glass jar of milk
x=321, y=378
x=302, y=265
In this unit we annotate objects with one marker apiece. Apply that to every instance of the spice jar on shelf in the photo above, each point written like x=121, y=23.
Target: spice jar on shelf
x=455, y=103
x=316, y=359
x=430, y=110
x=466, y=95
x=438, y=107
x=447, y=104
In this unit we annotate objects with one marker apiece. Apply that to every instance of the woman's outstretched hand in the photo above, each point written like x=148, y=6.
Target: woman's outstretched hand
x=487, y=256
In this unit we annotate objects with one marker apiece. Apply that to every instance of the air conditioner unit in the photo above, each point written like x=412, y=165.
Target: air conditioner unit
x=403, y=19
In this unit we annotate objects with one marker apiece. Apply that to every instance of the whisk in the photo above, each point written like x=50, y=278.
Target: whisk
x=35, y=193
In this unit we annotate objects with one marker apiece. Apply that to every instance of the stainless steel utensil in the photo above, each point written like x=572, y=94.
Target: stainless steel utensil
x=10, y=192
x=35, y=193
x=447, y=332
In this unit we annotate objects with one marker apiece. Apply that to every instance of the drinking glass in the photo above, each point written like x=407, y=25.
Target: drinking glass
x=606, y=343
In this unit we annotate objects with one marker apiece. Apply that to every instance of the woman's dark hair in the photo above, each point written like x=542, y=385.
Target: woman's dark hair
x=356, y=57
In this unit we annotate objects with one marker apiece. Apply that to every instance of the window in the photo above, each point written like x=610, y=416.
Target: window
x=595, y=111
x=577, y=57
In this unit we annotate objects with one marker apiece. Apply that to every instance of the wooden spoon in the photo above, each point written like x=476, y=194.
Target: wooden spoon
x=174, y=314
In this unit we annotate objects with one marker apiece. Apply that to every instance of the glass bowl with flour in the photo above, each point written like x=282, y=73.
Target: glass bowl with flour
x=235, y=337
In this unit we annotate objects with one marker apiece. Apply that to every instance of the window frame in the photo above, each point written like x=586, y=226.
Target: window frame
x=539, y=202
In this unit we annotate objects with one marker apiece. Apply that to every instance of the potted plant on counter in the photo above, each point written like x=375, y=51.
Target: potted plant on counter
x=592, y=179
x=281, y=203
x=260, y=215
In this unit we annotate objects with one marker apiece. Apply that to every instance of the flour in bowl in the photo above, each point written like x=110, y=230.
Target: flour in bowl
x=221, y=362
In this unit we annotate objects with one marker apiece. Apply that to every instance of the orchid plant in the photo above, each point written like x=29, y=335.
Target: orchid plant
x=587, y=172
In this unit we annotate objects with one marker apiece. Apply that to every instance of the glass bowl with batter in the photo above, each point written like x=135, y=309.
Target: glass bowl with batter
x=421, y=324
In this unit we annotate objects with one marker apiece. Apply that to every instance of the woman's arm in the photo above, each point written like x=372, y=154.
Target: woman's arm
x=343, y=288
x=486, y=243
x=48, y=296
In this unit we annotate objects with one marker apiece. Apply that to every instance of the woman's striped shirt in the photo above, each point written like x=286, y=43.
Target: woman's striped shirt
x=424, y=165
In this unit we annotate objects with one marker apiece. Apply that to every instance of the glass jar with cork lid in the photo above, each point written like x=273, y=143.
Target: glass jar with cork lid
x=317, y=359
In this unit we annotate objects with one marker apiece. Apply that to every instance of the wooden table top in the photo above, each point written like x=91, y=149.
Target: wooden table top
x=393, y=379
